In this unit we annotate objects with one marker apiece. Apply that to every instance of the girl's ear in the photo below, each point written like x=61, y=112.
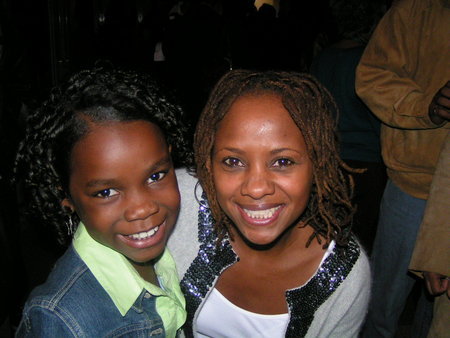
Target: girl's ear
x=67, y=205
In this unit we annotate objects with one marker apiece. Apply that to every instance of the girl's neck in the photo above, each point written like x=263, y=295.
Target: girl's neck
x=147, y=272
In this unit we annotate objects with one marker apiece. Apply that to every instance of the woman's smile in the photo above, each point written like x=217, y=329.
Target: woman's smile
x=260, y=216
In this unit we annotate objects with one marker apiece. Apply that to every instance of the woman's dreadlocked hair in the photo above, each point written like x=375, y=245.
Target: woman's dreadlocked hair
x=91, y=96
x=329, y=211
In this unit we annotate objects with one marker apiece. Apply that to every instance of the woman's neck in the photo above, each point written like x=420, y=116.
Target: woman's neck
x=293, y=240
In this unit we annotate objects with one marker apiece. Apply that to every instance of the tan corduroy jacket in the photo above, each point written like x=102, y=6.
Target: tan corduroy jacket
x=405, y=63
x=432, y=250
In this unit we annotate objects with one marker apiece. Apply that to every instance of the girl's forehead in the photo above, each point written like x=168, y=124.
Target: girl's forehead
x=111, y=133
x=111, y=147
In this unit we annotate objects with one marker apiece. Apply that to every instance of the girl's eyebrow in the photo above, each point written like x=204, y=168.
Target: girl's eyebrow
x=95, y=183
x=105, y=182
x=161, y=163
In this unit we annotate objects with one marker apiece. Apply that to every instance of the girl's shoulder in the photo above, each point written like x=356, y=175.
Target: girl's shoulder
x=72, y=303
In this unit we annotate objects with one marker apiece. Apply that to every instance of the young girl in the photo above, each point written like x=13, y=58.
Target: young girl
x=97, y=162
x=275, y=255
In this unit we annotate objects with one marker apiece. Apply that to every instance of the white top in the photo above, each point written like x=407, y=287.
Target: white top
x=221, y=318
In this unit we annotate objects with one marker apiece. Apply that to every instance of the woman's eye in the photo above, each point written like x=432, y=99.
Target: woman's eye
x=156, y=176
x=233, y=162
x=283, y=162
x=106, y=193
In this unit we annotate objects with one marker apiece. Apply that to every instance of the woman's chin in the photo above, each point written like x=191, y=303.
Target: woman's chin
x=260, y=242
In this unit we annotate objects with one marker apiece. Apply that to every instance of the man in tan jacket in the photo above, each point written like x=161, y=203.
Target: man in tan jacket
x=403, y=77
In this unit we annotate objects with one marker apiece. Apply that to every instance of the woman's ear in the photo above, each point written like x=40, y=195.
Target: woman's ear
x=208, y=164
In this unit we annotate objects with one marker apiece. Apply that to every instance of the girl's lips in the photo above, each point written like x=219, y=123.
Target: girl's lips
x=145, y=239
x=260, y=216
x=144, y=234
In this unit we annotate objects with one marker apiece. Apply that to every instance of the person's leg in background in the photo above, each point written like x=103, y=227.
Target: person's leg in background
x=400, y=218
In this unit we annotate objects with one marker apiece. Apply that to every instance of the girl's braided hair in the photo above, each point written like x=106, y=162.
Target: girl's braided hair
x=99, y=95
x=329, y=211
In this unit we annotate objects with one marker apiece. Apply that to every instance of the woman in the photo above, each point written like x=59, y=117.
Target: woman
x=279, y=259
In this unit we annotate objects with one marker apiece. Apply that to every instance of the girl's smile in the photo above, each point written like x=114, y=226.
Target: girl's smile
x=261, y=168
x=123, y=188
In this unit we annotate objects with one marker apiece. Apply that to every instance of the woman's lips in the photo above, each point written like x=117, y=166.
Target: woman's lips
x=260, y=216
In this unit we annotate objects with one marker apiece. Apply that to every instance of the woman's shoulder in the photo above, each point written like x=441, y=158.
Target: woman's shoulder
x=186, y=179
x=183, y=242
x=351, y=260
x=344, y=288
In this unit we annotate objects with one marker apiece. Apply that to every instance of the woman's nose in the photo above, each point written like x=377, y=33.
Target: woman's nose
x=257, y=184
x=140, y=206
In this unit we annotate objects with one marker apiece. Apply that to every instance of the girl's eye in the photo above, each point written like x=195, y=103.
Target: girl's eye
x=157, y=176
x=233, y=162
x=283, y=162
x=106, y=193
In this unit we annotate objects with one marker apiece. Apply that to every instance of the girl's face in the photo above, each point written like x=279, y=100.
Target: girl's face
x=123, y=188
x=261, y=169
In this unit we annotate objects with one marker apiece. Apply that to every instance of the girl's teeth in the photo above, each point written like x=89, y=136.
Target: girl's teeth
x=144, y=234
x=261, y=214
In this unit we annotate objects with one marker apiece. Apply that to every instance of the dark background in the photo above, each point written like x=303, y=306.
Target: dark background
x=43, y=41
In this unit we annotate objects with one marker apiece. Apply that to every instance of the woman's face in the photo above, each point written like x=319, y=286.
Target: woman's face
x=123, y=188
x=261, y=169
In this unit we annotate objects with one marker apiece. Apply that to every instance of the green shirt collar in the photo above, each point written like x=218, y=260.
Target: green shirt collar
x=124, y=284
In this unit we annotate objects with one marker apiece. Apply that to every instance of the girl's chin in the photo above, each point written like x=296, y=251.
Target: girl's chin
x=148, y=257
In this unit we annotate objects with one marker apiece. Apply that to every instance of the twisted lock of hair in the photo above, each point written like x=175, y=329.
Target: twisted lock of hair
x=314, y=111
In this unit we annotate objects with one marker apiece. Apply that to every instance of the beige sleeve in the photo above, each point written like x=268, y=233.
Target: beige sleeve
x=432, y=250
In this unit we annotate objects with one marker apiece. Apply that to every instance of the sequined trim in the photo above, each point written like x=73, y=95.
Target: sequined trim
x=302, y=302
x=209, y=263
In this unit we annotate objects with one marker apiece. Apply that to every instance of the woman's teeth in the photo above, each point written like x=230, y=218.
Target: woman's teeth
x=144, y=234
x=261, y=214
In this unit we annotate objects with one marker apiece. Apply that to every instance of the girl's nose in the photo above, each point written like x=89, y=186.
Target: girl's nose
x=257, y=184
x=140, y=207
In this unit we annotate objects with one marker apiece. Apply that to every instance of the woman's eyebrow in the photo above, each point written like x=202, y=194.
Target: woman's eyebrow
x=280, y=150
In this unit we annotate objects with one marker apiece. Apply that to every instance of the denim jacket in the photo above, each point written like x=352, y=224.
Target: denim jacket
x=72, y=303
